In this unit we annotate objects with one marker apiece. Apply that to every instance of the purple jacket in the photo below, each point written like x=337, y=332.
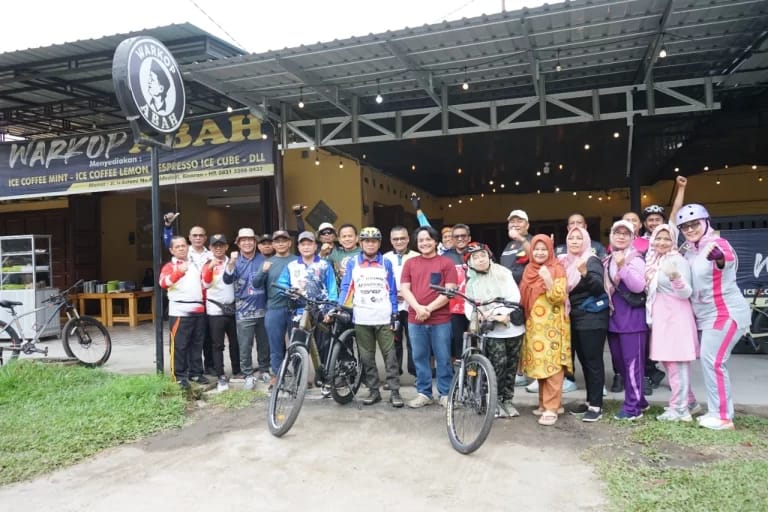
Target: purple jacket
x=630, y=277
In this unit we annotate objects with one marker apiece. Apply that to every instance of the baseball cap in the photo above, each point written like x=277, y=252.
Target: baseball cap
x=245, y=233
x=324, y=226
x=266, y=237
x=518, y=213
x=280, y=233
x=306, y=235
x=217, y=239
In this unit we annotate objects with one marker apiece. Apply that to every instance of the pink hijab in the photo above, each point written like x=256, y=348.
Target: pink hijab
x=571, y=261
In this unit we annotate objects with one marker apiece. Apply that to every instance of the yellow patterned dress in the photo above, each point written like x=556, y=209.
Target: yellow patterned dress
x=547, y=344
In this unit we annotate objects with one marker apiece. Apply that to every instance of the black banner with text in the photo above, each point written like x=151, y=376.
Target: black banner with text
x=227, y=146
x=751, y=246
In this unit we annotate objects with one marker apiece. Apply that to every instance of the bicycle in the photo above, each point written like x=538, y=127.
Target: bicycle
x=84, y=338
x=339, y=377
x=472, y=399
x=758, y=328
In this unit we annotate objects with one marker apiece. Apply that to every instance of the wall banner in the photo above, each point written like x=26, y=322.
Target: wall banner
x=751, y=246
x=226, y=146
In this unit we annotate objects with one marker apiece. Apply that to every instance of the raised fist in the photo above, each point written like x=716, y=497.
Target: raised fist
x=169, y=217
x=415, y=201
x=681, y=181
x=298, y=208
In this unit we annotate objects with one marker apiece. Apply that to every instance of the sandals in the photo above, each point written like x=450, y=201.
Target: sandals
x=548, y=418
x=539, y=411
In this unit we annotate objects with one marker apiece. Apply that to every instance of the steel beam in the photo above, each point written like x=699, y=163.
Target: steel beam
x=423, y=78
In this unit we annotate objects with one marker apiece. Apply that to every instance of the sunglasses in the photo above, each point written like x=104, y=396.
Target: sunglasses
x=688, y=226
x=327, y=232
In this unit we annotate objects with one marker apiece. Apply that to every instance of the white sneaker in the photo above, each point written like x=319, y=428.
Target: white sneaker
x=506, y=410
x=420, y=401
x=521, y=380
x=443, y=401
x=533, y=387
x=715, y=423
x=569, y=386
x=222, y=384
x=673, y=415
x=605, y=391
x=250, y=383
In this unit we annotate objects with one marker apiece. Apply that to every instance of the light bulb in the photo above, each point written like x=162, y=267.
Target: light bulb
x=301, y=103
x=379, y=99
x=616, y=135
x=317, y=161
x=465, y=86
x=662, y=53
x=229, y=108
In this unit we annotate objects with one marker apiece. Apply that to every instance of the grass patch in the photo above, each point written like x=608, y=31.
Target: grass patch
x=53, y=415
x=652, y=465
x=235, y=398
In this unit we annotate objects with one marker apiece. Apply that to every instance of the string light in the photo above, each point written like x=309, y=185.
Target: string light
x=586, y=147
x=717, y=181
x=229, y=109
x=558, y=67
x=616, y=135
x=341, y=164
x=662, y=52
x=413, y=167
x=677, y=169
x=301, y=97
x=317, y=160
x=379, y=98
x=459, y=171
x=465, y=85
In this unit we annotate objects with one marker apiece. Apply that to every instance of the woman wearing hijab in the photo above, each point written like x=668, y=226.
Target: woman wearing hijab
x=627, y=330
x=589, y=317
x=674, y=341
x=547, y=344
x=488, y=280
x=720, y=310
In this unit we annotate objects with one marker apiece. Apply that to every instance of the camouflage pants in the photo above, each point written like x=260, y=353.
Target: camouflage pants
x=504, y=354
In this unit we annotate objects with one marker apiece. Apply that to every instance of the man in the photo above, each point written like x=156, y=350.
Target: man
x=369, y=288
x=251, y=302
x=278, y=317
x=517, y=252
x=313, y=277
x=578, y=220
x=186, y=313
x=347, y=249
x=398, y=237
x=265, y=245
x=220, y=308
x=459, y=323
x=326, y=234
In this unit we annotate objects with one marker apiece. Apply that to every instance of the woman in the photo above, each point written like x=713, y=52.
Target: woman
x=547, y=344
x=674, y=341
x=589, y=317
x=639, y=243
x=720, y=310
x=488, y=280
x=627, y=331
x=429, y=319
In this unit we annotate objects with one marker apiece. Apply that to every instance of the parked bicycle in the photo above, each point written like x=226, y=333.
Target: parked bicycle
x=757, y=332
x=339, y=375
x=472, y=399
x=83, y=337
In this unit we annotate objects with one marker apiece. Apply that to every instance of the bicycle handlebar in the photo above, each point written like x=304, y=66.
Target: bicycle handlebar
x=453, y=292
x=63, y=294
x=295, y=293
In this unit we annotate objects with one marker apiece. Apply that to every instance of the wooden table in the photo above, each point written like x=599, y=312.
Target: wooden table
x=130, y=313
x=132, y=316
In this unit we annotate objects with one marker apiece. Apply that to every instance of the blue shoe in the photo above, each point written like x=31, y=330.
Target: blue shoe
x=569, y=386
x=623, y=415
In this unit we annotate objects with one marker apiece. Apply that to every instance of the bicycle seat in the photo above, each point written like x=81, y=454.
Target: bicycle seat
x=8, y=304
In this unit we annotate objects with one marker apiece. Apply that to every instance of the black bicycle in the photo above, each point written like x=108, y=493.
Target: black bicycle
x=473, y=397
x=339, y=376
x=83, y=337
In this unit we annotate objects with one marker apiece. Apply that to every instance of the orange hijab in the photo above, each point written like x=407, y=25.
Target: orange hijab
x=532, y=285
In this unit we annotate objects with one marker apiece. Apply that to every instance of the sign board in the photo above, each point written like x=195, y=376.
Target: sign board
x=226, y=146
x=148, y=84
x=751, y=246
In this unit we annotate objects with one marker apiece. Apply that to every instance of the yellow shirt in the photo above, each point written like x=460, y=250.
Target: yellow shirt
x=547, y=342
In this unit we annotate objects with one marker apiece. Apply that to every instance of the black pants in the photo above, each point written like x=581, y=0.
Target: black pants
x=459, y=324
x=402, y=334
x=208, y=357
x=187, y=345
x=588, y=345
x=218, y=327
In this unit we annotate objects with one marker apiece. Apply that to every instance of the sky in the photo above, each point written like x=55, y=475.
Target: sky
x=255, y=25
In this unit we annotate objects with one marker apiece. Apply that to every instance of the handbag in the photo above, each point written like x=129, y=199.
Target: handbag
x=635, y=300
x=226, y=309
x=594, y=304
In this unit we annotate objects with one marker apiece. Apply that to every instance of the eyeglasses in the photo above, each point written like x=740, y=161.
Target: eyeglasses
x=688, y=226
x=196, y=235
x=460, y=236
x=327, y=232
x=399, y=239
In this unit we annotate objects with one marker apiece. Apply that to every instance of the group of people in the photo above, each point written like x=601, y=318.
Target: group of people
x=652, y=301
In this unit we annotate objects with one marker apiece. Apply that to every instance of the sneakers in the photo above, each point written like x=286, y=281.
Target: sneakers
x=443, y=400
x=505, y=410
x=605, y=391
x=200, y=379
x=617, y=386
x=647, y=386
x=420, y=401
x=592, y=415
x=579, y=410
x=694, y=409
x=539, y=411
x=373, y=397
x=222, y=384
x=250, y=383
x=264, y=377
x=183, y=383
x=325, y=390
x=533, y=387
x=386, y=387
x=569, y=386
x=395, y=399
x=673, y=415
x=715, y=423
x=521, y=380
x=623, y=415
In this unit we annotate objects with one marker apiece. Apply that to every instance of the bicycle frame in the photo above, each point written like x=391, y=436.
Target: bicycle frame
x=757, y=313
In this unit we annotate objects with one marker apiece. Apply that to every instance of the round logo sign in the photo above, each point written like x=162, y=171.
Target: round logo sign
x=148, y=83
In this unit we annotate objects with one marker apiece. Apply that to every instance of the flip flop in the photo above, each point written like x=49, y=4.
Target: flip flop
x=548, y=419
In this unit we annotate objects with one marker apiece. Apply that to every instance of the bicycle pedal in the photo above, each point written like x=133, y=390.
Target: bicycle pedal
x=472, y=373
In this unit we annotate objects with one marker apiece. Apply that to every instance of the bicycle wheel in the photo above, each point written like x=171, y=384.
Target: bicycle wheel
x=288, y=392
x=346, y=370
x=87, y=340
x=13, y=339
x=471, y=404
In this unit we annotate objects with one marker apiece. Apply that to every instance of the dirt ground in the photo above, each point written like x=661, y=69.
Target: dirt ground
x=334, y=458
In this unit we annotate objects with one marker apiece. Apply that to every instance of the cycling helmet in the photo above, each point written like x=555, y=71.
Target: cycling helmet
x=370, y=233
x=691, y=212
x=653, y=209
x=474, y=247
